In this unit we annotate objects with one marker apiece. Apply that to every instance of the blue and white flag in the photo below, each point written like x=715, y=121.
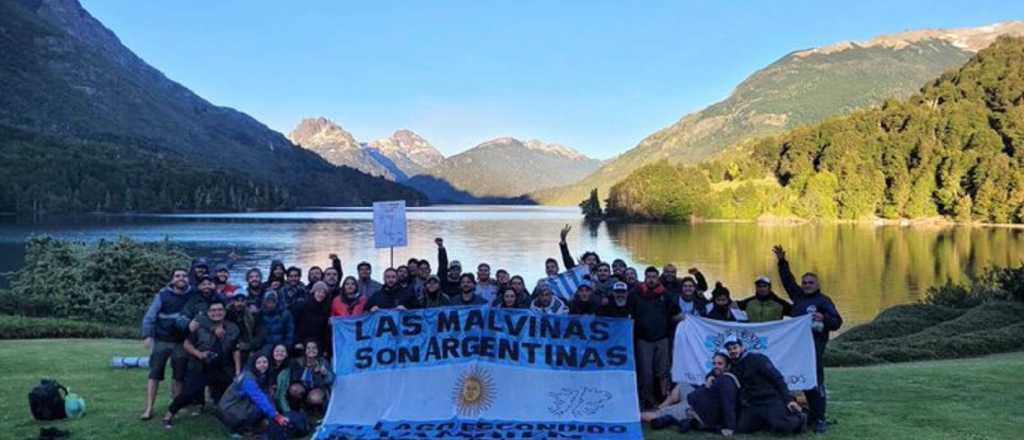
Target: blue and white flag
x=564, y=285
x=788, y=343
x=477, y=372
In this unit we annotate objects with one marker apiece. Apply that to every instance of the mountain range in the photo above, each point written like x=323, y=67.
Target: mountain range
x=66, y=77
x=500, y=170
x=955, y=149
x=801, y=88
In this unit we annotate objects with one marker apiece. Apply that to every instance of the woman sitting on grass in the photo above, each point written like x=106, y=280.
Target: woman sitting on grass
x=307, y=382
x=245, y=405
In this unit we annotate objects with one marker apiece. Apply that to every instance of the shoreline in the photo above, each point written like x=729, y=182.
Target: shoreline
x=765, y=220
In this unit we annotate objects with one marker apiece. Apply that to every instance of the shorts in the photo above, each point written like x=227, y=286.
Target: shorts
x=175, y=351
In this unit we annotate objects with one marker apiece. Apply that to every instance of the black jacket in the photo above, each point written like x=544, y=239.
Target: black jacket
x=716, y=406
x=762, y=383
x=578, y=307
x=653, y=314
x=802, y=301
x=449, y=287
x=391, y=297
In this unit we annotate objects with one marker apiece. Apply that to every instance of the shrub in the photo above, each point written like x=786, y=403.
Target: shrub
x=993, y=327
x=20, y=327
x=111, y=282
x=900, y=321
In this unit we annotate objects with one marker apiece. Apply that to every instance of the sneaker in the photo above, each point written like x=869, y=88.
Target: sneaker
x=821, y=427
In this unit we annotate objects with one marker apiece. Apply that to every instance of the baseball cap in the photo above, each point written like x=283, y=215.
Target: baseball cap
x=730, y=340
x=455, y=263
x=620, y=286
x=763, y=280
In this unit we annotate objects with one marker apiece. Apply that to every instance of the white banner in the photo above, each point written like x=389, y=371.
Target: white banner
x=389, y=228
x=788, y=343
x=478, y=372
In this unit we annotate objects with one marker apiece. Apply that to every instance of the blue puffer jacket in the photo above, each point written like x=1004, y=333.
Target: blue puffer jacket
x=275, y=327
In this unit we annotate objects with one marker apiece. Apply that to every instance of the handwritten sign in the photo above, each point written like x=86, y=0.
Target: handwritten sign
x=389, y=229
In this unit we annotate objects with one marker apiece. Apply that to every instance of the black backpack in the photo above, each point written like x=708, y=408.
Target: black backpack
x=47, y=401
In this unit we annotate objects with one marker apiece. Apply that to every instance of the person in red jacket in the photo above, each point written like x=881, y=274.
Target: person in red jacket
x=351, y=302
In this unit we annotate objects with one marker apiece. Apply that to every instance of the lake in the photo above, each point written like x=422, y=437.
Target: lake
x=865, y=268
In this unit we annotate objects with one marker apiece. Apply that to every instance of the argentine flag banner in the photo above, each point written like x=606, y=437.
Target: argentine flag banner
x=564, y=285
x=788, y=343
x=478, y=372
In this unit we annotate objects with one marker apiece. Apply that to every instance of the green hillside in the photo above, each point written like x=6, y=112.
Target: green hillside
x=67, y=82
x=799, y=89
x=954, y=149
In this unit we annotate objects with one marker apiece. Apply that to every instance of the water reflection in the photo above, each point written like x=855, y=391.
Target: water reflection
x=864, y=268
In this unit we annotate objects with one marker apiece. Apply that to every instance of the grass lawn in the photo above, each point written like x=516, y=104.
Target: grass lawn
x=981, y=398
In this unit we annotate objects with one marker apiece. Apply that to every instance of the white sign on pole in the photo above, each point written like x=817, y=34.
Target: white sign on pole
x=389, y=229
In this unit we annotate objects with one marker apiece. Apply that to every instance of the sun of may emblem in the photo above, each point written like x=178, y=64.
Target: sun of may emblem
x=473, y=392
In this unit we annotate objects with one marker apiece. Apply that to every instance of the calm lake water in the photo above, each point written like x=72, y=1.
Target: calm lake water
x=864, y=268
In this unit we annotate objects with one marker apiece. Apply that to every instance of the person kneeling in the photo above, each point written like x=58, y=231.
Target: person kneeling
x=765, y=401
x=307, y=382
x=713, y=406
x=245, y=404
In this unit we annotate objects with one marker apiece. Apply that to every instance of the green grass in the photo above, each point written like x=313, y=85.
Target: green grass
x=976, y=398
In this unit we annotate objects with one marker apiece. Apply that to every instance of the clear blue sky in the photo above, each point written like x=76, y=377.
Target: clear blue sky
x=598, y=76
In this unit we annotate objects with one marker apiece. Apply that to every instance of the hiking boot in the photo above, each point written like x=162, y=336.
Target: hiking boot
x=821, y=427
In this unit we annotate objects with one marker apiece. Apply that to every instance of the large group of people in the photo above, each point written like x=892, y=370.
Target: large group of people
x=259, y=353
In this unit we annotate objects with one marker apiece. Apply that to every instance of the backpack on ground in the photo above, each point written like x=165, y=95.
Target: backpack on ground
x=46, y=400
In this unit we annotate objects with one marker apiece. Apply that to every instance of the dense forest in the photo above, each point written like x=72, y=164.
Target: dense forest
x=954, y=150
x=47, y=174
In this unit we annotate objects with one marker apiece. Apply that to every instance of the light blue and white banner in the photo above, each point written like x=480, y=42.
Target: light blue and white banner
x=477, y=372
x=564, y=285
x=788, y=343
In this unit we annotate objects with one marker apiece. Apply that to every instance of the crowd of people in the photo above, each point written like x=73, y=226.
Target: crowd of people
x=260, y=352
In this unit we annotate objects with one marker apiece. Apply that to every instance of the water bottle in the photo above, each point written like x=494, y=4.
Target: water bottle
x=818, y=326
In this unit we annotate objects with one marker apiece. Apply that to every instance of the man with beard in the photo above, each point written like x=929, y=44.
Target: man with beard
x=205, y=295
x=765, y=401
x=808, y=300
x=722, y=307
x=293, y=292
x=200, y=268
x=584, y=302
x=589, y=258
x=164, y=328
x=618, y=306
x=550, y=272
x=254, y=289
x=448, y=273
x=486, y=287
x=547, y=303
x=468, y=295
x=367, y=285
x=214, y=361
x=392, y=295
x=238, y=312
x=221, y=278
x=603, y=282
x=423, y=273
x=653, y=310
x=332, y=278
x=765, y=305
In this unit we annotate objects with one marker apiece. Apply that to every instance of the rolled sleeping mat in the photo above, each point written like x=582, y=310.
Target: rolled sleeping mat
x=129, y=362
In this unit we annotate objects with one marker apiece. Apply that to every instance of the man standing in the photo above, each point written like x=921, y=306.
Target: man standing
x=448, y=273
x=653, y=311
x=547, y=303
x=486, y=287
x=618, y=306
x=764, y=398
x=392, y=295
x=808, y=300
x=164, y=328
x=367, y=285
x=197, y=303
x=468, y=295
x=765, y=305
